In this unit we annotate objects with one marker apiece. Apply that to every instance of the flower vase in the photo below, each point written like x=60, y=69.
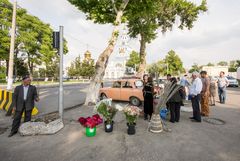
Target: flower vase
x=90, y=131
x=131, y=129
x=108, y=126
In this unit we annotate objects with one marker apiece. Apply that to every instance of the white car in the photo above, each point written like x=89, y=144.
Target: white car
x=232, y=81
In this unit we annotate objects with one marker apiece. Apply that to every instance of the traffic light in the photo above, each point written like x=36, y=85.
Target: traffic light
x=56, y=40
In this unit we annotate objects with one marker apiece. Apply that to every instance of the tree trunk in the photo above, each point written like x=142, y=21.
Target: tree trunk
x=102, y=63
x=142, y=54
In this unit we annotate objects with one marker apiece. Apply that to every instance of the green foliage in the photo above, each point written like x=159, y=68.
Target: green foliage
x=20, y=67
x=145, y=17
x=108, y=112
x=210, y=64
x=195, y=67
x=88, y=69
x=222, y=63
x=2, y=74
x=174, y=63
x=134, y=60
x=33, y=38
x=81, y=68
x=5, y=25
x=233, y=65
x=156, y=69
x=101, y=11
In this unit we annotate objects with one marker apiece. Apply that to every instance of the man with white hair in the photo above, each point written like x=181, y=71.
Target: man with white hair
x=194, y=92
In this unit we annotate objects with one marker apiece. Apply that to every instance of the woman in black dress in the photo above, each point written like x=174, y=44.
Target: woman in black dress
x=148, y=91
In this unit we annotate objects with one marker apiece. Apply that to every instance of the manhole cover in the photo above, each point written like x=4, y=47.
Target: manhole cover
x=214, y=121
x=3, y=129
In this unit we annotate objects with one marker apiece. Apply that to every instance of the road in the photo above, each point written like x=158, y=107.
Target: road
x=74, y=95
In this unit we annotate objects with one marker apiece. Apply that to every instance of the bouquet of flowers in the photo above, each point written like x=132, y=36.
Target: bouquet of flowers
x=131, y=113
x=90, y=122
x=107, y=111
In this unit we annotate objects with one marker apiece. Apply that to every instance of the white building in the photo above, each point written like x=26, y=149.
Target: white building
x=117, y=63
x=215, y=70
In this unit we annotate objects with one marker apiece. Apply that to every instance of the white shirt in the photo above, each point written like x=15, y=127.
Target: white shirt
x=222, y=82
x=25, y=92
x=196, y=87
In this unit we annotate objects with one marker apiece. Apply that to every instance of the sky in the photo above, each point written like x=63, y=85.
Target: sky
x=215, y=36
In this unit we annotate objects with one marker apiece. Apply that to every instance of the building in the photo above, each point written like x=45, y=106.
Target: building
x=117, y=63
x=88, y=57
x=215, y=70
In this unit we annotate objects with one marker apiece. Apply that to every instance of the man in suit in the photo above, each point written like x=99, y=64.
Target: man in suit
x=23, y=100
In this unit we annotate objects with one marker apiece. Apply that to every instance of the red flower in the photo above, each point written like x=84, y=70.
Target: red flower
x=82, y=121
x=90, y=121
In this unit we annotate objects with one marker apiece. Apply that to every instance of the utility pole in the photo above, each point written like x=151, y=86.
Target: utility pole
x=11, y=54
x=61, y=72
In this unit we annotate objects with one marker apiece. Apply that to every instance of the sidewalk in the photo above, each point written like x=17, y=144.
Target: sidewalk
x=187, y=142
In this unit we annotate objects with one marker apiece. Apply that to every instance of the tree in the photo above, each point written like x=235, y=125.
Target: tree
x=195, y=67
x=222, y=63
x=233, y=65
x=88, y=69
x=5, y=25
x=174, y=63
x=104, y=11
x=210, y=64
x=33, y=38
x=145, y=17
x=134, y=60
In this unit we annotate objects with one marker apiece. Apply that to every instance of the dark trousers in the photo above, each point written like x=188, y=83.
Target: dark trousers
x=174, y=111
x=196, y=107
x=18, y=117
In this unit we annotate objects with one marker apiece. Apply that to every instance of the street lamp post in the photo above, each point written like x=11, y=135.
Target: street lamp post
x=11, y=54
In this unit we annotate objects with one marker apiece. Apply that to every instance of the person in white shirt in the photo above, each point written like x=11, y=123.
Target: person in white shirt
x=194, y=92
x=222, y=85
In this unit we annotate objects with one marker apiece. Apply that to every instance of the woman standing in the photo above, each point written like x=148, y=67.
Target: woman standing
x=175, y=103
x=148, y=91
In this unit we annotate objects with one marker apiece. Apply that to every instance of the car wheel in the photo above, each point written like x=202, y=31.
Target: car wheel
x=135, y=101
x=103, y=96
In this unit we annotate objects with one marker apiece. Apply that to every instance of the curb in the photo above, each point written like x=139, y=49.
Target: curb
x=65, y=109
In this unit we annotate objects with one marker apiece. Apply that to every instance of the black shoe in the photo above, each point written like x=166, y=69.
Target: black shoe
x=11, y=134
x=192, y=118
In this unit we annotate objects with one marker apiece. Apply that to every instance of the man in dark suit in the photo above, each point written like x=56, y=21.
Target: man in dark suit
x=23, y=100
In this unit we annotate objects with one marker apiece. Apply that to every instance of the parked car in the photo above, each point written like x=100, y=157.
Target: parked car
x=232, y=81
x=124, y=90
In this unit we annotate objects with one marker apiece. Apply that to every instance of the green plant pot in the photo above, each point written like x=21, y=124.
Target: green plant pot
x=90, y=132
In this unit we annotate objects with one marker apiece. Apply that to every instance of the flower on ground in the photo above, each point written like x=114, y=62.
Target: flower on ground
x=90, y=122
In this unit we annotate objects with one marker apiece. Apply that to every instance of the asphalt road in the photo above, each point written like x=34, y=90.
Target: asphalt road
x=74, y=95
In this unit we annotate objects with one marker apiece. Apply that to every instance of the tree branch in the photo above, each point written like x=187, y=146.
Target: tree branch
x=124, y=4
x=114, y=6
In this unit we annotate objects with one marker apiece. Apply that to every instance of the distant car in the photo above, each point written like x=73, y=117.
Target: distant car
x=124, y=90
x=232, y=81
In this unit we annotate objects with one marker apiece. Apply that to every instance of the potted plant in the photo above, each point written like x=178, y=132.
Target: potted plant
x=131, y=113
x=90, y=124
x=108, y=112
